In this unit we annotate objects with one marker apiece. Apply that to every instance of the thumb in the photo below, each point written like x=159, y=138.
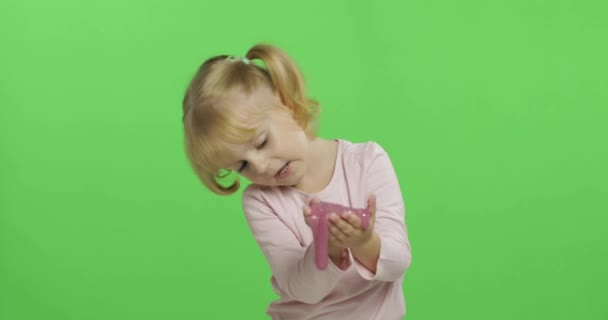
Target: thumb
x=371, y=206
x=307, y=215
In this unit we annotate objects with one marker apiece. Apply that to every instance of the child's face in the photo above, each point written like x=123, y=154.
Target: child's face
x=278, y=151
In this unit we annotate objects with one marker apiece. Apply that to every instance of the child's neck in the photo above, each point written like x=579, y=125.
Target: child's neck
x=321, y=165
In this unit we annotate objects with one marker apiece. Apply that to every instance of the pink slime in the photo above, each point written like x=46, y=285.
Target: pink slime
x=320, y=227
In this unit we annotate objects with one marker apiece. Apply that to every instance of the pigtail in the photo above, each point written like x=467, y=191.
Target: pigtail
x=289, y=84
x=223, y=183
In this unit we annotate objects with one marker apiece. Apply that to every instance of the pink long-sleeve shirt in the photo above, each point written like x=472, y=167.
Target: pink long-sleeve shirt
x=276, y=219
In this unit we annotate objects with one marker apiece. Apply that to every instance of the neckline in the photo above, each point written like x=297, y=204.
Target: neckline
x=337, y=166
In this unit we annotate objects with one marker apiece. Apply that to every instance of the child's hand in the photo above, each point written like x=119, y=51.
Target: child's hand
x=336, y=252
x=308, y=212
x=346, y=231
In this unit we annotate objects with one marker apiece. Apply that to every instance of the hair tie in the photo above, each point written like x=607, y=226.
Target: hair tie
x=243, y=59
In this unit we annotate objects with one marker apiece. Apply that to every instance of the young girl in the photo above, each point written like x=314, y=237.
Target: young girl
x=256, y=120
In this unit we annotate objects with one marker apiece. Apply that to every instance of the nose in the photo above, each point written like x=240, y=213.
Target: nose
x=259, y=164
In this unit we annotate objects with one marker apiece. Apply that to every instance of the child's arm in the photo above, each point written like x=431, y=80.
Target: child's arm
x=348, y=231
x=394, y=246
x=292, y=265
x=368, y=253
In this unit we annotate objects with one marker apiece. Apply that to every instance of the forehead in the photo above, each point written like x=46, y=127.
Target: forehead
x=259, y=99
x=253, y=110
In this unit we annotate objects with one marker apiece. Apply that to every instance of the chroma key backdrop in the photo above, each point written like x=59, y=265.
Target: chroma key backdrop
x=494, y=114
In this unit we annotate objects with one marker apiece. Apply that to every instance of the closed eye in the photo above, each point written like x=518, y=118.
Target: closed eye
x=263, y=143
x=244, y=164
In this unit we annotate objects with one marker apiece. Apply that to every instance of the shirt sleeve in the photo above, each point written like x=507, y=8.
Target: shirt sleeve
x=395, y=251
x=293, y=266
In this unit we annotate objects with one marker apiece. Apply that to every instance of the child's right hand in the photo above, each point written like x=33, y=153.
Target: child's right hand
x=308, y=211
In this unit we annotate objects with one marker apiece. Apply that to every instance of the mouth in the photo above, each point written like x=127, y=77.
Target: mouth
x=284, y=171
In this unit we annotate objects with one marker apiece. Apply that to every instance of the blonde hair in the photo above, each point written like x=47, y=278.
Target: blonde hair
x=210, y=121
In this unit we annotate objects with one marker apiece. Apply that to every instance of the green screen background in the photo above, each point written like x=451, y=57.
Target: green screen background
x=494, y=114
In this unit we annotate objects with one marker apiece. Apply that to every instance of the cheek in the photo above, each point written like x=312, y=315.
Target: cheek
x=294, y=146
x=290, y=141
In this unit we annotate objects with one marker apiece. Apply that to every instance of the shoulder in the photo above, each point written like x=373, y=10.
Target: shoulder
x=266, y=198
x=363, y=153
x=255, y=201
x=367, y=160
x=254, y=193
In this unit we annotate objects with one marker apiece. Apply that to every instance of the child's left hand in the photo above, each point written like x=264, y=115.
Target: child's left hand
x=346, y=231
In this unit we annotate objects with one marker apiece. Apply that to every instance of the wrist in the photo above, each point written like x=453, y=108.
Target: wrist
x=366, y=246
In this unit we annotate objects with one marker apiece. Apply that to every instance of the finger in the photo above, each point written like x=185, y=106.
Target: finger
x=337, y=233
x=307, y=211
x=371, y=202
x=341, y=224
x=347, y=231
x=307, y=215
x=371, y=206
x=314, y=200
x=333, y=218
x=352, y=219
